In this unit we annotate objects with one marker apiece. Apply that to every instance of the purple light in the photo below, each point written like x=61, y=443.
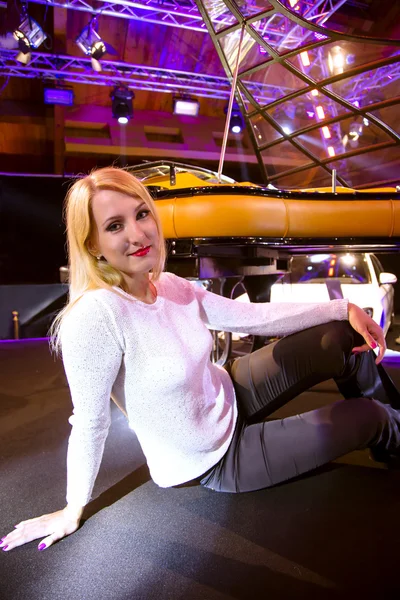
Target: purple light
x=319, y=36
x=392, y=356
x=262, y=50
x=356, y=103
x=310, y=114
x=61, y=96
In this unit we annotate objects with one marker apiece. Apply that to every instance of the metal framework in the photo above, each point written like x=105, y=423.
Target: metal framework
x=282, y=35
x=172, y=13
x=78, y=70
x=184, y=14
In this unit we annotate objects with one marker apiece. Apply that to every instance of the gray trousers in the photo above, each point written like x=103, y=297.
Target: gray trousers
x=263, y=452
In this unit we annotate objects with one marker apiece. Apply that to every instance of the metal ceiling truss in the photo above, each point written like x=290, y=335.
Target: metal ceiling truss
x=49, y=67
x=183, y=15
x=79, y=70
x=283, y=35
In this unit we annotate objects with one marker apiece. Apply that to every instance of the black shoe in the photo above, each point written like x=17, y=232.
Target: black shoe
x=385, y=456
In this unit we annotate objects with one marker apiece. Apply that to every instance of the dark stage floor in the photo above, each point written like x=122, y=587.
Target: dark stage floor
x=332, y=534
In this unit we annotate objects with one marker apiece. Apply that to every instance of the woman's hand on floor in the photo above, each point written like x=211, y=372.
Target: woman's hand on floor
x=53, y=527
x=371, y=332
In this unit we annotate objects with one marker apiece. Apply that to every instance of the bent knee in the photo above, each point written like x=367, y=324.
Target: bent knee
x=337, y=334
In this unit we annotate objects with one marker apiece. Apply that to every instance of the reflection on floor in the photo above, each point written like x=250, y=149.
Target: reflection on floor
x=332, y=534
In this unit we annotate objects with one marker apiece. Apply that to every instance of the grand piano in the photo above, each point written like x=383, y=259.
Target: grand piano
x=239, y=237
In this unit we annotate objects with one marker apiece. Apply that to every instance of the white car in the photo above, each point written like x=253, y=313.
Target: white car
x=359, y=277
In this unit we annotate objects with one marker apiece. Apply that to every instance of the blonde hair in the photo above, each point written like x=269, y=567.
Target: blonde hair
x=85, y=271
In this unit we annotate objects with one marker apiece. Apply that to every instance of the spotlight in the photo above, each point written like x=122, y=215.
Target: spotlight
x=183, y=105
x=122, y=107
x=354, y=133
x=336, y=60
x=28, y=35
x=91, y=44
x=236, y=124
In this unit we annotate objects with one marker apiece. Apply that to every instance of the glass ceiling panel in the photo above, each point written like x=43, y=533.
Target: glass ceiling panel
x=249, y=106
x=219, y=14
x=344, y=136
x=271, y=83
x=369, y=87
x=305, y=110
x=315, y=177
x=249, y=8
x=372, y=168
x=359, y=20
x=283, y=157
x=389, y=115
x=263, y=131
x=338, y=57
x=282, y=34
x=250, y=55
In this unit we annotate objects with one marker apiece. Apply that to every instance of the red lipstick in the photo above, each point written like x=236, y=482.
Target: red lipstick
x=142, y=251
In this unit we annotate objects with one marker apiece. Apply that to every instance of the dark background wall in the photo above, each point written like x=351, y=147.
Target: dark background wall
x=32, y=241
x=32, y=232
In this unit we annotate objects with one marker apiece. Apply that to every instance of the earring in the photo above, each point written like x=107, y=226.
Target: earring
x=98, y=257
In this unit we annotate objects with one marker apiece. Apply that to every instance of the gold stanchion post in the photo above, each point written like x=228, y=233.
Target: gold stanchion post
x=15, y=315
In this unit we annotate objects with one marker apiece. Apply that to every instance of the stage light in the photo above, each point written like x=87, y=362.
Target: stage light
x=305, y=59
x=185, y=106
x=29, y=35
x=320, y=112
x=122, y=107
x=349, y=259
x=91, y=44
x=326, y=132
x=236, y=124
x=314, y=92
x=286, y=130
x=331, y=151
x=336, y=60
x=355, y=131
x=61, y=96
x=317, y=258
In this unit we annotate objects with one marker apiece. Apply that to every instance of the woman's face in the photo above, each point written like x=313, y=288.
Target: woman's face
x=125, y=232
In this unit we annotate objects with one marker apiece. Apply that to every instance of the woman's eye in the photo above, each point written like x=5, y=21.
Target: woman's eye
x=113, y=227
x=142, y=214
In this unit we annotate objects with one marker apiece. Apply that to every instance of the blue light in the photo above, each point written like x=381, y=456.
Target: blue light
x=62, y=96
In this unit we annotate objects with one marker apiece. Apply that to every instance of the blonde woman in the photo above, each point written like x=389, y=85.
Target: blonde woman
x=139, y=334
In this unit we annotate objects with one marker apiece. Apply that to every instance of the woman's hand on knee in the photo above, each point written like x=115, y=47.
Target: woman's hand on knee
x=50, y=528
x=371, y=332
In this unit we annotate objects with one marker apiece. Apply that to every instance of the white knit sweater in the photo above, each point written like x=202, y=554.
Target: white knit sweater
x=155, y=360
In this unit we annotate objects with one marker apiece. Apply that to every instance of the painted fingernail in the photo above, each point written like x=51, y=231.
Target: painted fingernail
x=41, y=546
x=2, y=539
x=373, y=345
x=4, y=547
